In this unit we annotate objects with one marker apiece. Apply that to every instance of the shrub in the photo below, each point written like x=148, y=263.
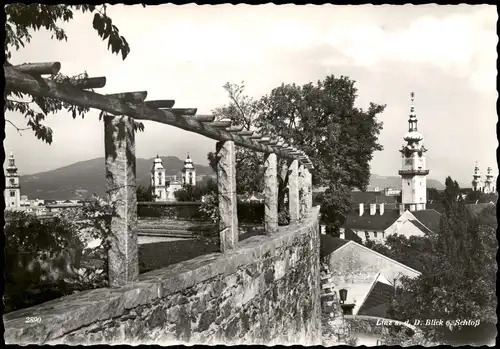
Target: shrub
x=44, y=257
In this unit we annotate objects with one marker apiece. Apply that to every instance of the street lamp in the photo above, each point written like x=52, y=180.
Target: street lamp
x=346, y=308
x=343, y=295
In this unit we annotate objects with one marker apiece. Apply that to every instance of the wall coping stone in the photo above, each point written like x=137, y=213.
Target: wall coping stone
x=66, y=314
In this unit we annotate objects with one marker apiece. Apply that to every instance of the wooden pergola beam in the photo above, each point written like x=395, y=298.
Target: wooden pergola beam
x=98, y=82
x=235, y=129
x=162, y=103
x=204, y=118
x=130, y=97
x=221, y=124
x=25, y=83
x=184, y=111
x=245, y=133
x=51, y=68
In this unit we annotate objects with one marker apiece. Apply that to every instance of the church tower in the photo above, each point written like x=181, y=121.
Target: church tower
x=12, y=192
x=158, y=180
x=477, y=183
x=188, y=172
x=413, y=172
x=489, y=185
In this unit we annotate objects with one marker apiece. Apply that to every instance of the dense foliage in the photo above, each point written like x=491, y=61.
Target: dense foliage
x=21, y=21
x=321, y=120
x=196, y=192
x=50, y=258
x=144, y=194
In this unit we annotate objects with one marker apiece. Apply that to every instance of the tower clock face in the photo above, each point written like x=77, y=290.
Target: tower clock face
x=12, y=181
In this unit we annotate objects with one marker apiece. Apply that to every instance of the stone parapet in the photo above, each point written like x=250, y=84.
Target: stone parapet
x=265, y=291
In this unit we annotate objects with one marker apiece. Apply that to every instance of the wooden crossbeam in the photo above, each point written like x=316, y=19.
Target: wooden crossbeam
x=98, y=82
x=255, y=136
x=130, y=97
x=235, y=129
x=273, y=142
x=204, y=118
x=245, y=133
x=184, y=111
x=26, y=83
x=264, y=140
x=221, y=124
x=51, y=68
x=162, y=103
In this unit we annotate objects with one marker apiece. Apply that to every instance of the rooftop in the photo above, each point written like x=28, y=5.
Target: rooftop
x=368, y=222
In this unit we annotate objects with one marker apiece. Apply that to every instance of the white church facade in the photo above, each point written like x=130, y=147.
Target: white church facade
x=163, y=187
x=488, y=185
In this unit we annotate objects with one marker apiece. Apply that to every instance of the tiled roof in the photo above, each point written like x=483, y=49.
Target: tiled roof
x=349, y=234
x=376, y=222
x=422, y=227
x=381, y=293
x=328, y=244
x=372, y=197
x=430, y=218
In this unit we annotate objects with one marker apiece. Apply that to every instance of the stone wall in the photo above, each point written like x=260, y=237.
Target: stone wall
x=265, y=291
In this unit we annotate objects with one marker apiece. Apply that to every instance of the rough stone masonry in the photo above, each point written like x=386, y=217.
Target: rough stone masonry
x=265, y=291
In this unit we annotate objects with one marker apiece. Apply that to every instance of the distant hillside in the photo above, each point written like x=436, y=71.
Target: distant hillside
x=84, y=178
x=395, y=182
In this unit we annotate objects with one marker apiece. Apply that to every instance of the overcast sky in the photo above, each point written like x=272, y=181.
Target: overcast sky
x=445, y=54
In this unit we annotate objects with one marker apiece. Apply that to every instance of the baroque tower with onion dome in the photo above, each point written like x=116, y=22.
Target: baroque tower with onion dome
x=158, y=181
x=12, y=192
x=489, y=182
x=413, y=172
x=477, y=182
x=188, y=172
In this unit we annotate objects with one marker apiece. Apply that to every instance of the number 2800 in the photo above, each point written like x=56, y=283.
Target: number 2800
x=33, y=319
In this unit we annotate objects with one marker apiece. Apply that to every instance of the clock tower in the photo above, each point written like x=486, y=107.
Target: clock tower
x=413, y=171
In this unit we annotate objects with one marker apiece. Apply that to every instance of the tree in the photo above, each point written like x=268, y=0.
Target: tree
x=458, y=278
x=242, y=110
x=21, y=21
x=196, y=193
x=434, y=195
x=451, y=193
x=340, y=139
x=145, y=194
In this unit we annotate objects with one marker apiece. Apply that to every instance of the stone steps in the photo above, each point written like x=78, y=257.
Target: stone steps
x=166, y=233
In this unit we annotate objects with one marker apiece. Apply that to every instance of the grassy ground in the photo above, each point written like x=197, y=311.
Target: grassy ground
x=162, y=254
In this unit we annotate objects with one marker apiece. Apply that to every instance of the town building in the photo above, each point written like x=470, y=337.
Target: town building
x=163, y=187
x=12, y=192
x=488, y=185
x=368, y=276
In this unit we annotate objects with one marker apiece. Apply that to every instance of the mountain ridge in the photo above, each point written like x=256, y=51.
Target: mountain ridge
x=84, y=178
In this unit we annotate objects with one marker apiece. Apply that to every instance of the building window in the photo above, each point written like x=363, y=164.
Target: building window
x=367, y=235
x=383, y=235
x=374, y=234
x=12, y=193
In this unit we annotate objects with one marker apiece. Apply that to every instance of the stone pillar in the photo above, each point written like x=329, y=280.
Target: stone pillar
x=226, y=184
x=308, y=188
x=119, y=144
x=303, y=190
x=293, y=191
x=271, y=194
